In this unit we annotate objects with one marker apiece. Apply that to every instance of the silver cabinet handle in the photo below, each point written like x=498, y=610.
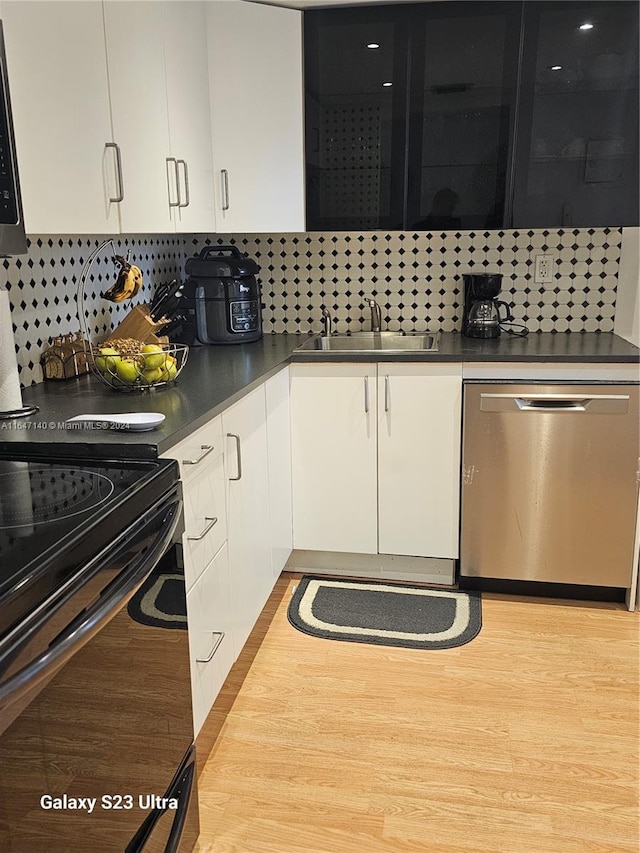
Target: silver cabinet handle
x=225, y=189
x=238, y=455
x=387, y=394
x=220, y=636
x=116, y=148
x=207, y=528
x=175, y=171
x=366, y=394
x=187, y=197
x=205, y=450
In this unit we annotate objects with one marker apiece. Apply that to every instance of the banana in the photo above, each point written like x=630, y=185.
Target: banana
x=127, y=284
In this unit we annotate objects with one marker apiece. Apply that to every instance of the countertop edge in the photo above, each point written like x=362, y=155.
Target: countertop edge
x=244, y=370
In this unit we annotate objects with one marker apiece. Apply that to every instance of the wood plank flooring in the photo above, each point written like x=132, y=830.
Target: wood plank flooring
x=523, y=741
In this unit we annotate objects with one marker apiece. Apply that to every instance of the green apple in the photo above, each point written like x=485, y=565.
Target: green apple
x=169, y=369
x=153, y=356
x=128, y=370
x=107, y=360
x=152, y=374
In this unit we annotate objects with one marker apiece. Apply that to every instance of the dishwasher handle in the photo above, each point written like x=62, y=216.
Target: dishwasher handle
x=610, y=404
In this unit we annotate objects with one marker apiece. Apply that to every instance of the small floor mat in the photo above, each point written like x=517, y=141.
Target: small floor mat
x=387, y=614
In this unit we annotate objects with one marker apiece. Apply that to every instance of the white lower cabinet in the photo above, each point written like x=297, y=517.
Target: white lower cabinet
x=333, y=450
x=279, y=459
x=206, y=564
x=376, y=458
x=419, y=410
x=236, y=482
x=248, y=520
x=210, y=635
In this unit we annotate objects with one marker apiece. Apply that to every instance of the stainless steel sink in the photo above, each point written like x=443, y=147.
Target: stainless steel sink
x=398, y=342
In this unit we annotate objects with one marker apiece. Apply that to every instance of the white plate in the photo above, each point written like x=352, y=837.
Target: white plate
x=136, y=421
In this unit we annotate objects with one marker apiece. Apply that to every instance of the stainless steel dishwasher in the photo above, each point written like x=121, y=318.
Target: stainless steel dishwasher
x=550, y=482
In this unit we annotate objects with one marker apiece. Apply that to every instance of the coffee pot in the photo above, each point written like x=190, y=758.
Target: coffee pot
x=481, y=316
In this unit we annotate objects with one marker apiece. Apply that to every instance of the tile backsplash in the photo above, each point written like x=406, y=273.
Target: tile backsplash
x=43, y=283
x=416, y=278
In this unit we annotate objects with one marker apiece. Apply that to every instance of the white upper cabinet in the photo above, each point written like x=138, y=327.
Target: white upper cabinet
x=187, y=74
x=60, y=101
x=255, y=80
x=135, y=56
x=111, y=113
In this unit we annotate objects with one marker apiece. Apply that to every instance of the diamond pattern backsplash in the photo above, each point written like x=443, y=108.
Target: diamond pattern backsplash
x=416, y=279
x=42, y=287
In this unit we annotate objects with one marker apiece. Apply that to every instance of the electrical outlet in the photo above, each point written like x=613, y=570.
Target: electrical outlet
x=544, y=269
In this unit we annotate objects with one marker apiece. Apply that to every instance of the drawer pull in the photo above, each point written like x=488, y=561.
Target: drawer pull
x=205, y=450
x=208, y=526
x=220, y=636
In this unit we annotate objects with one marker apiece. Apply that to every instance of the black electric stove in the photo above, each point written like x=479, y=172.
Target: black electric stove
x=54, y=516
x=95, y=692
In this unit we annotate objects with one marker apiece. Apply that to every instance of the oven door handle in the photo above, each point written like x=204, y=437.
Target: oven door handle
x=161, y=523
x=181, y=788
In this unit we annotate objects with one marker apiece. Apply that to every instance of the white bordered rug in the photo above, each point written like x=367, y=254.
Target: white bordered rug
x=386, y=614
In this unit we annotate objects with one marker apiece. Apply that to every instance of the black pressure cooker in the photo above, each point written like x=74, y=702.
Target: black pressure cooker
x=221, y=297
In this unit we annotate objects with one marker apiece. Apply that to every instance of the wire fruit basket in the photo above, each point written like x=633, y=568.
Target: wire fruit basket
x=139, y=363
x=129, y=365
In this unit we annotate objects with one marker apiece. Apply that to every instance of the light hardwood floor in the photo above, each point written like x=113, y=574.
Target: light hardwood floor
x=523, y=741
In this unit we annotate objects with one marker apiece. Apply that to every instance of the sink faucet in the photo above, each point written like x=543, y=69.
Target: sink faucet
x=327, y=321
x=376, y=317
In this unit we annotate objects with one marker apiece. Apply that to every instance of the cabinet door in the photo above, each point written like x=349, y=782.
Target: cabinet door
x=333, y=450
x=135, y=54
x=189, y=115
x=255, y=77
x=463, y=95
x=248, y=520
x=210, y=635
x=60, y=100
x=279, y=452
x=577, y=156
x=419, y=420
x=355, y=118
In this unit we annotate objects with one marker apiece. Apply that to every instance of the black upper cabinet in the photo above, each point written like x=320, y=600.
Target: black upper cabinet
x=577, y=146
x=355, y=118
x=463, y=94
x=472, y=115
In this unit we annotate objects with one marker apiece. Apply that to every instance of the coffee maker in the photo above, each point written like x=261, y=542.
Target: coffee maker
x=481, y=317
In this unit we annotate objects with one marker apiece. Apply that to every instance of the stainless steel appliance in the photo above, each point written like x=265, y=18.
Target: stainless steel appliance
x=481, y=312
x=221, y=297
x=13, y=240
x=96, y=732
x=549, y=487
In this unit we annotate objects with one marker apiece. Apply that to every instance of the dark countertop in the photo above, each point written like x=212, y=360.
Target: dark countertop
x=587, y=348
x=216, y=377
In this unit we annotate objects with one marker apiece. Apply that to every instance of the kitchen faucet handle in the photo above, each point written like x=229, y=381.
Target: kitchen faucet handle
x=376, y=313
x=327, y=319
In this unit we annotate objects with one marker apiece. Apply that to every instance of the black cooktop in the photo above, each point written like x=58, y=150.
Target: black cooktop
x=55, y=516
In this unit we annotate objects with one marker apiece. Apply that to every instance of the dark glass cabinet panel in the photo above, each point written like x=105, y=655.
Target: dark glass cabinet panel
x=515, y=113
x=354, y=122
x=577, y=153
x=463, y=96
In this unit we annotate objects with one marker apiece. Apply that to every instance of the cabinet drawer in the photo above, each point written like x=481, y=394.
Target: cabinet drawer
x=210, y=635
x=196, y=453
x=205, y=518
